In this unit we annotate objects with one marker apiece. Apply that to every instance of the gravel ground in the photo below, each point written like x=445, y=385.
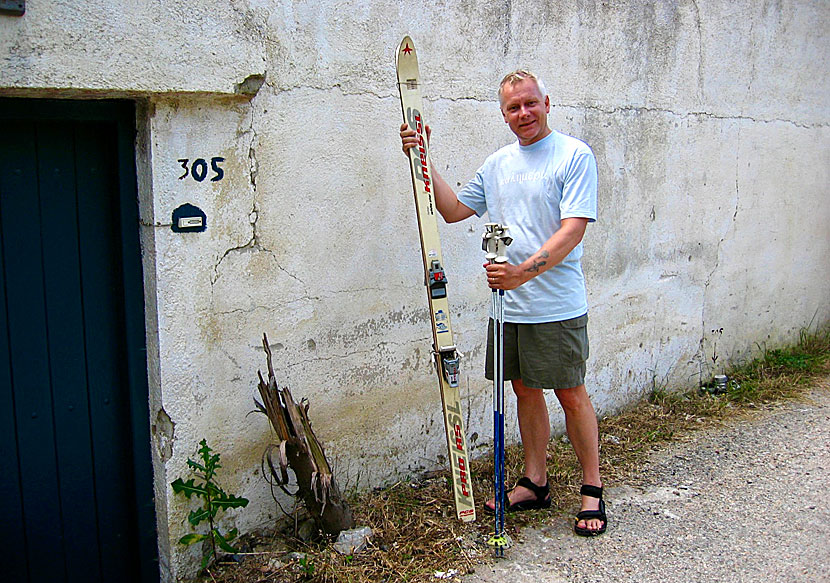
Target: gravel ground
x=743, y=502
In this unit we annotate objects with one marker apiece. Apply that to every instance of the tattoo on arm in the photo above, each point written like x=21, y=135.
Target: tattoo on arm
x=537, y=263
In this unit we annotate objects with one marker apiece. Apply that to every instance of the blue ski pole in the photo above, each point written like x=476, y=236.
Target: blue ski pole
x=494, y=241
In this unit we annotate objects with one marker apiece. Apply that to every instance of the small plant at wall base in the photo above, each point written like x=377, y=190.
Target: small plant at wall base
x=213, y=498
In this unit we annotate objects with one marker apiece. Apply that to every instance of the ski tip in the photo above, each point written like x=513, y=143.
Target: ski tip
x=406, y=48
x=406, y=62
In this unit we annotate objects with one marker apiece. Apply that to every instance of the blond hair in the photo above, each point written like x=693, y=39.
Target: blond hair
x=520, y=75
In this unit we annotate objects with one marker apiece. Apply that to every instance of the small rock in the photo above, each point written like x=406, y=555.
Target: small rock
x=351, y=542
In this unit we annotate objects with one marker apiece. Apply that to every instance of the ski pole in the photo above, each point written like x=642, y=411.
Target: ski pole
x=494, y=241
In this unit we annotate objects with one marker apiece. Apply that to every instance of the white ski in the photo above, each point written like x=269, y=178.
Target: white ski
x=446, y=356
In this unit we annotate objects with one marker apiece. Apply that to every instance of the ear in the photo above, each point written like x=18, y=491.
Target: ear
x=547, y=104
x=504, y=115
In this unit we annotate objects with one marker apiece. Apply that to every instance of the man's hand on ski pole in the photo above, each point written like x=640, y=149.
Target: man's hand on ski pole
x=409, y=138
x=504, y=276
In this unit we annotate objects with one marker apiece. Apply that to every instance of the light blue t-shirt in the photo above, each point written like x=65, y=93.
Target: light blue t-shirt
x=531, y=189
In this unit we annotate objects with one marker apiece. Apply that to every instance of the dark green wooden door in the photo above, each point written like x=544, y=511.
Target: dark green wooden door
x=75, y=492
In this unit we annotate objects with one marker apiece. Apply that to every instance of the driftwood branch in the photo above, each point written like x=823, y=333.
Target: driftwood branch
x=300, y=450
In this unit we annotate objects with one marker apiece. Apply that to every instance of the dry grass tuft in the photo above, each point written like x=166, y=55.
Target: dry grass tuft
x=416, y=534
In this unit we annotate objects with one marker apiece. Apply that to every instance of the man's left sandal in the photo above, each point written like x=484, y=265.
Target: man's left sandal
x=593, y=492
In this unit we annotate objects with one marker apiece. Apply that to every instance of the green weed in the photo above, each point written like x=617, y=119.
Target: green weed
x=213, y=499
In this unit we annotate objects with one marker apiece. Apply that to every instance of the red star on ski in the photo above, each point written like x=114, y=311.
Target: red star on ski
x=407, y=50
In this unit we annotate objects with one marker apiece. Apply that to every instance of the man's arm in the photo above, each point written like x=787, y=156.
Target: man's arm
x=507, y=276
x=446, y=201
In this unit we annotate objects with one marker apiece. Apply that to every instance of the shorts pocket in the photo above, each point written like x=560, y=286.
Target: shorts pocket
x=574, y=340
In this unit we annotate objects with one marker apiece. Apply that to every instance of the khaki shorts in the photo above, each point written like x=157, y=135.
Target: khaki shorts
x=543, y=356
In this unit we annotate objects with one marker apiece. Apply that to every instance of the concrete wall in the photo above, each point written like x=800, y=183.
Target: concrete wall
x=710, y=125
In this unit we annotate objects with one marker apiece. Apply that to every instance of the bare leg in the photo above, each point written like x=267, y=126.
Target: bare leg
x=581, y=425
x=534, y=428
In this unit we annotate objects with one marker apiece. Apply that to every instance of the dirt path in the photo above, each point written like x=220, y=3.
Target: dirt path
x=746, y=502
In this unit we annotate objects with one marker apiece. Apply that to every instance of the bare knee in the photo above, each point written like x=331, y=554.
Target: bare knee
x=524, y=392
x=574, y=399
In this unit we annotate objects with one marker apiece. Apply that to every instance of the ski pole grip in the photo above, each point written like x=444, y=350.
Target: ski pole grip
x=494, y=242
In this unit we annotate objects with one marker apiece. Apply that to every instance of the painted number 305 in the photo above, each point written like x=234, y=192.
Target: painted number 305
x=199, y=169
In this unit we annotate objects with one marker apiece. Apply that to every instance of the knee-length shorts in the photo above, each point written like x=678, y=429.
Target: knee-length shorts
x=551, y=355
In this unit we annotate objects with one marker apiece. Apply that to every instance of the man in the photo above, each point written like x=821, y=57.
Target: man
x=544, y=188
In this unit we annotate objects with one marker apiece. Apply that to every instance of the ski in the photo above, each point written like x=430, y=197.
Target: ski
x=444, y=351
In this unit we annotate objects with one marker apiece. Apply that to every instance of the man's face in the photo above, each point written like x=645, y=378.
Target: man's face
x=525, y=110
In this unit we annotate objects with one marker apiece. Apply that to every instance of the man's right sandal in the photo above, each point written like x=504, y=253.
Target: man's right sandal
x=541, y=501
x=593, y=492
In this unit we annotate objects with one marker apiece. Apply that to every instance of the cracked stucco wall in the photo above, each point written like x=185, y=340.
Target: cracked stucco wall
x=709, y=120
x=107, y=47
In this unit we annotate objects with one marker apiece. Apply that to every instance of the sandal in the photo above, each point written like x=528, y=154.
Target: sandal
x=593, y=492
x=542, y=497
